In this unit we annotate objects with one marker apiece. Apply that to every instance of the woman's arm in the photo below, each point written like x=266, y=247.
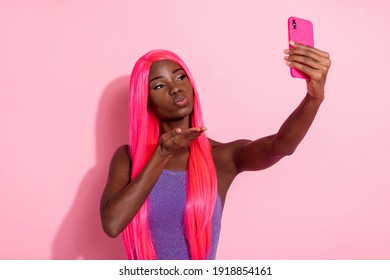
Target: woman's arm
x=264, y=152
x=122, y=198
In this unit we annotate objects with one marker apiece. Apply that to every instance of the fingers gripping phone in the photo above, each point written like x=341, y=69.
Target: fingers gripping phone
x=300, y=31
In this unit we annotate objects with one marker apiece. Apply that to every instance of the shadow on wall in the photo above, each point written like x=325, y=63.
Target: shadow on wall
x=80, y=235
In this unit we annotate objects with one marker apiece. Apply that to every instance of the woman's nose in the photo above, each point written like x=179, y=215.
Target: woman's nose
x=174, y=90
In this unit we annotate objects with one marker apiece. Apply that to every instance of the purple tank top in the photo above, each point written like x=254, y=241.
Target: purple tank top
x=167, y=202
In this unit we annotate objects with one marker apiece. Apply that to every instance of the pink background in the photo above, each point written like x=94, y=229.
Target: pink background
x=64, y=69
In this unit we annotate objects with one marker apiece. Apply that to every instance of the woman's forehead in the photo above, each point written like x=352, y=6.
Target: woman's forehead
x=161, y=67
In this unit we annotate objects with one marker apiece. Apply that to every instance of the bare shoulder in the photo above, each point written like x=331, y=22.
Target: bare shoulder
x=229, y=145
x=122, y=154
x=225, y=154
x=119, y=173
x=120, y=164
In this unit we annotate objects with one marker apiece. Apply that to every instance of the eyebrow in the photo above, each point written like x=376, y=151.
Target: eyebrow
x=159, y=77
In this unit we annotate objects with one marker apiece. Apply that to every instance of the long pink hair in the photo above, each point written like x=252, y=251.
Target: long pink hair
x=201, y=174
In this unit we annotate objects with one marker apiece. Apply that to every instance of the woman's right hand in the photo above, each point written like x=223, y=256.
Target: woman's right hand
x=174, y=141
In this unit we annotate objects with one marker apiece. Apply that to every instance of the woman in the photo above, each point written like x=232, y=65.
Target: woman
x=166, y=189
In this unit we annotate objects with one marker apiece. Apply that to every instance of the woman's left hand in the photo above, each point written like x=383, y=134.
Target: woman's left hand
x=313, y=62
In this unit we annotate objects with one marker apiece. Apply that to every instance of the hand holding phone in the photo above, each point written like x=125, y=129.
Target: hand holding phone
x=300, y=31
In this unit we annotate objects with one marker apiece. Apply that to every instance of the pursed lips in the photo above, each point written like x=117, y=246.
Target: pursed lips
x=180, y=100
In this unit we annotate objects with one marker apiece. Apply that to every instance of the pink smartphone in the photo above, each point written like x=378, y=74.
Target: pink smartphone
x=300, y=31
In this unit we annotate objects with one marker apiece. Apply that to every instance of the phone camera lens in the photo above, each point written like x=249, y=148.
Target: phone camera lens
x=294, y=24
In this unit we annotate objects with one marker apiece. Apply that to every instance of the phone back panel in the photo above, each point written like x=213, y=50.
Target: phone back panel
x=300, y=31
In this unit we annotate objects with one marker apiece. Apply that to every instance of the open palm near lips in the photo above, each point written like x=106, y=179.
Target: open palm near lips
x=177, y=139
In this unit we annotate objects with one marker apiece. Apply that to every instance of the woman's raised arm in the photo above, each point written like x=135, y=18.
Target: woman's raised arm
x=264, y=152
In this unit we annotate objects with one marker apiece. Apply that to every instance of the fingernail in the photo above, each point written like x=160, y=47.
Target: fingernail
x=288, y=62
x=285, y=58
x=292, y=43
x=287, y=51
x=178, y=130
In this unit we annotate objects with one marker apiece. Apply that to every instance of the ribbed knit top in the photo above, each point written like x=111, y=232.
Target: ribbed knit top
x=167, y=202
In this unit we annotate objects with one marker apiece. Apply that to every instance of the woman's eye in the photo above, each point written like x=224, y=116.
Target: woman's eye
x=182, y=77
x=158, y=86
